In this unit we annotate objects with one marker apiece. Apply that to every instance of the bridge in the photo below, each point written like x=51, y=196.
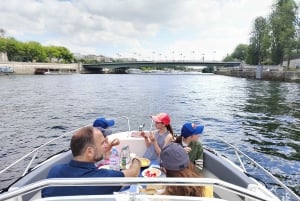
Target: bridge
x=121, y=67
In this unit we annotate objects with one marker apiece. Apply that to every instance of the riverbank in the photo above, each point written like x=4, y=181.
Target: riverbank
x=262, y=74
x=31, y=68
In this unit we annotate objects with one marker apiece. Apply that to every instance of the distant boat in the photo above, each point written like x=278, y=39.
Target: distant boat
x=134, y=71
x=6, y=70
x=57, y=72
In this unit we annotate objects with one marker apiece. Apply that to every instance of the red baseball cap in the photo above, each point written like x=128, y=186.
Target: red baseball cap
x=162, y=118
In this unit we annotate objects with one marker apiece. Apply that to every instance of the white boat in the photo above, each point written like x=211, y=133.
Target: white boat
x=6, y=70
x=134, y=71
x=230, y=180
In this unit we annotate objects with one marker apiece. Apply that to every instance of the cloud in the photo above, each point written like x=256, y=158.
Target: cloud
x=213, y=27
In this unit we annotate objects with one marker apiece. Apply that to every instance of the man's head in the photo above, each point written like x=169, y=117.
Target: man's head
x=87, y=144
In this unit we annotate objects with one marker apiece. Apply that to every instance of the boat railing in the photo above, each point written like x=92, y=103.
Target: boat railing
x=238, y=154
x=33, y=154
x=139, y=181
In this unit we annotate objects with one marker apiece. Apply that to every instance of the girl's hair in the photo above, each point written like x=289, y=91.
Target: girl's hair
x=190, y=171
x=178, y=139
x=170, y=129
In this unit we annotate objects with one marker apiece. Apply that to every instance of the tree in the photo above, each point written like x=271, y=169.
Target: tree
x=12, y=48
x=259, y=42
x=228, y=58
x=283, y=23
x=52, y=52
x=35, y=51
x=65, y=54
x=240, y=52
x=3, y=44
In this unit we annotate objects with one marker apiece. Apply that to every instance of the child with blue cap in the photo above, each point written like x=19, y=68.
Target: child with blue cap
x=189, y=140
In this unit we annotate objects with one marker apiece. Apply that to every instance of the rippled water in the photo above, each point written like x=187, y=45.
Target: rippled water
x=262, y=118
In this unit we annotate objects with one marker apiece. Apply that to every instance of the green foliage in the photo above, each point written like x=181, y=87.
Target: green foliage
x=273, y=39
x=239, y=52
x=228, y=58
x=259, y=42
x=283, y=23
x=34, y=51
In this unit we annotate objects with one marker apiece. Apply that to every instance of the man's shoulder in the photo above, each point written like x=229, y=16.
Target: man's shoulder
x=56, y=169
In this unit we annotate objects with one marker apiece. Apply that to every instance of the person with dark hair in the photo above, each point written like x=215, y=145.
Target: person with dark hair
x=189, y=140
x=176, y=163
x=87, y=146
x=161, y=137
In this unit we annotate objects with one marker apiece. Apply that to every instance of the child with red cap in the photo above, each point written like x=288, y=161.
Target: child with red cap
x=161, y=137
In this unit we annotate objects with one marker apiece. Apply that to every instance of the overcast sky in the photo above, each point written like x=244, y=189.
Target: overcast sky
x=144, y=29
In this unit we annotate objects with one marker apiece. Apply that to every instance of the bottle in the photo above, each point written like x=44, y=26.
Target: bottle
x=114, y=160
x=125, y=157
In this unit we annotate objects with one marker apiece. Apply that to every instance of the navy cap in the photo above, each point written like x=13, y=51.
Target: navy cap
x=103, y=124
x=189, y=129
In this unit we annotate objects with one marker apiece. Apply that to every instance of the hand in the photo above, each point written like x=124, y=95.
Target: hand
x=143, y=134
x=136, y=160
x=187, y=149
x=115, y=142
x=152, y=137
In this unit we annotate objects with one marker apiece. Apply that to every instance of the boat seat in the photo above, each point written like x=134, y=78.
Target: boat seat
x=41, y=173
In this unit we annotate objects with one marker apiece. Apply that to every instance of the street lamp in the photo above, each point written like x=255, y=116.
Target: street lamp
x=193, y=54
x=203, y=57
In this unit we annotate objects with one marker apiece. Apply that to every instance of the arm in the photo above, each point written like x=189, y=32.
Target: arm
x=168, y=139
x=155, y=144
x=199, y=156
x=146, y=138
x=134, y=169
x=114, y=142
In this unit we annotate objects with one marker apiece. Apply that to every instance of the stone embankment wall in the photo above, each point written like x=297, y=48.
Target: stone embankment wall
x=29, y=68
x=275, y=73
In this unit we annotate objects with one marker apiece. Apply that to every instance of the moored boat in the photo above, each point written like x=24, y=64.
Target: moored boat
x=229, y=177
x=6, y=70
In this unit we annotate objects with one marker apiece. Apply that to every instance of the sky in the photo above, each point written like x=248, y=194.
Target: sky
x=141, y=29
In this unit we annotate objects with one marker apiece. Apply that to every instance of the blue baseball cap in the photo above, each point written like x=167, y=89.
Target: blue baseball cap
x=103, y=124
x=189, y=129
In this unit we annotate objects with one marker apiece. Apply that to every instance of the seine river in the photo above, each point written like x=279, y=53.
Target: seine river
x=262, y=118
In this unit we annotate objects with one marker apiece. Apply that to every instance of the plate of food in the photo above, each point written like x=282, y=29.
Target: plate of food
x=151, y=172
x=145, y=162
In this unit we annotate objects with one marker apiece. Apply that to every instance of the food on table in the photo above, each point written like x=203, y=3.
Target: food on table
x=145, y=162
x=151, y=172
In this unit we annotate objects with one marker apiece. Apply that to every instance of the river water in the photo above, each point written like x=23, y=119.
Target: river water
x=262, y=118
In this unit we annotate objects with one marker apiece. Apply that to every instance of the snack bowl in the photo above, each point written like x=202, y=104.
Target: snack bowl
x=151, y=172
x=145, y=162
